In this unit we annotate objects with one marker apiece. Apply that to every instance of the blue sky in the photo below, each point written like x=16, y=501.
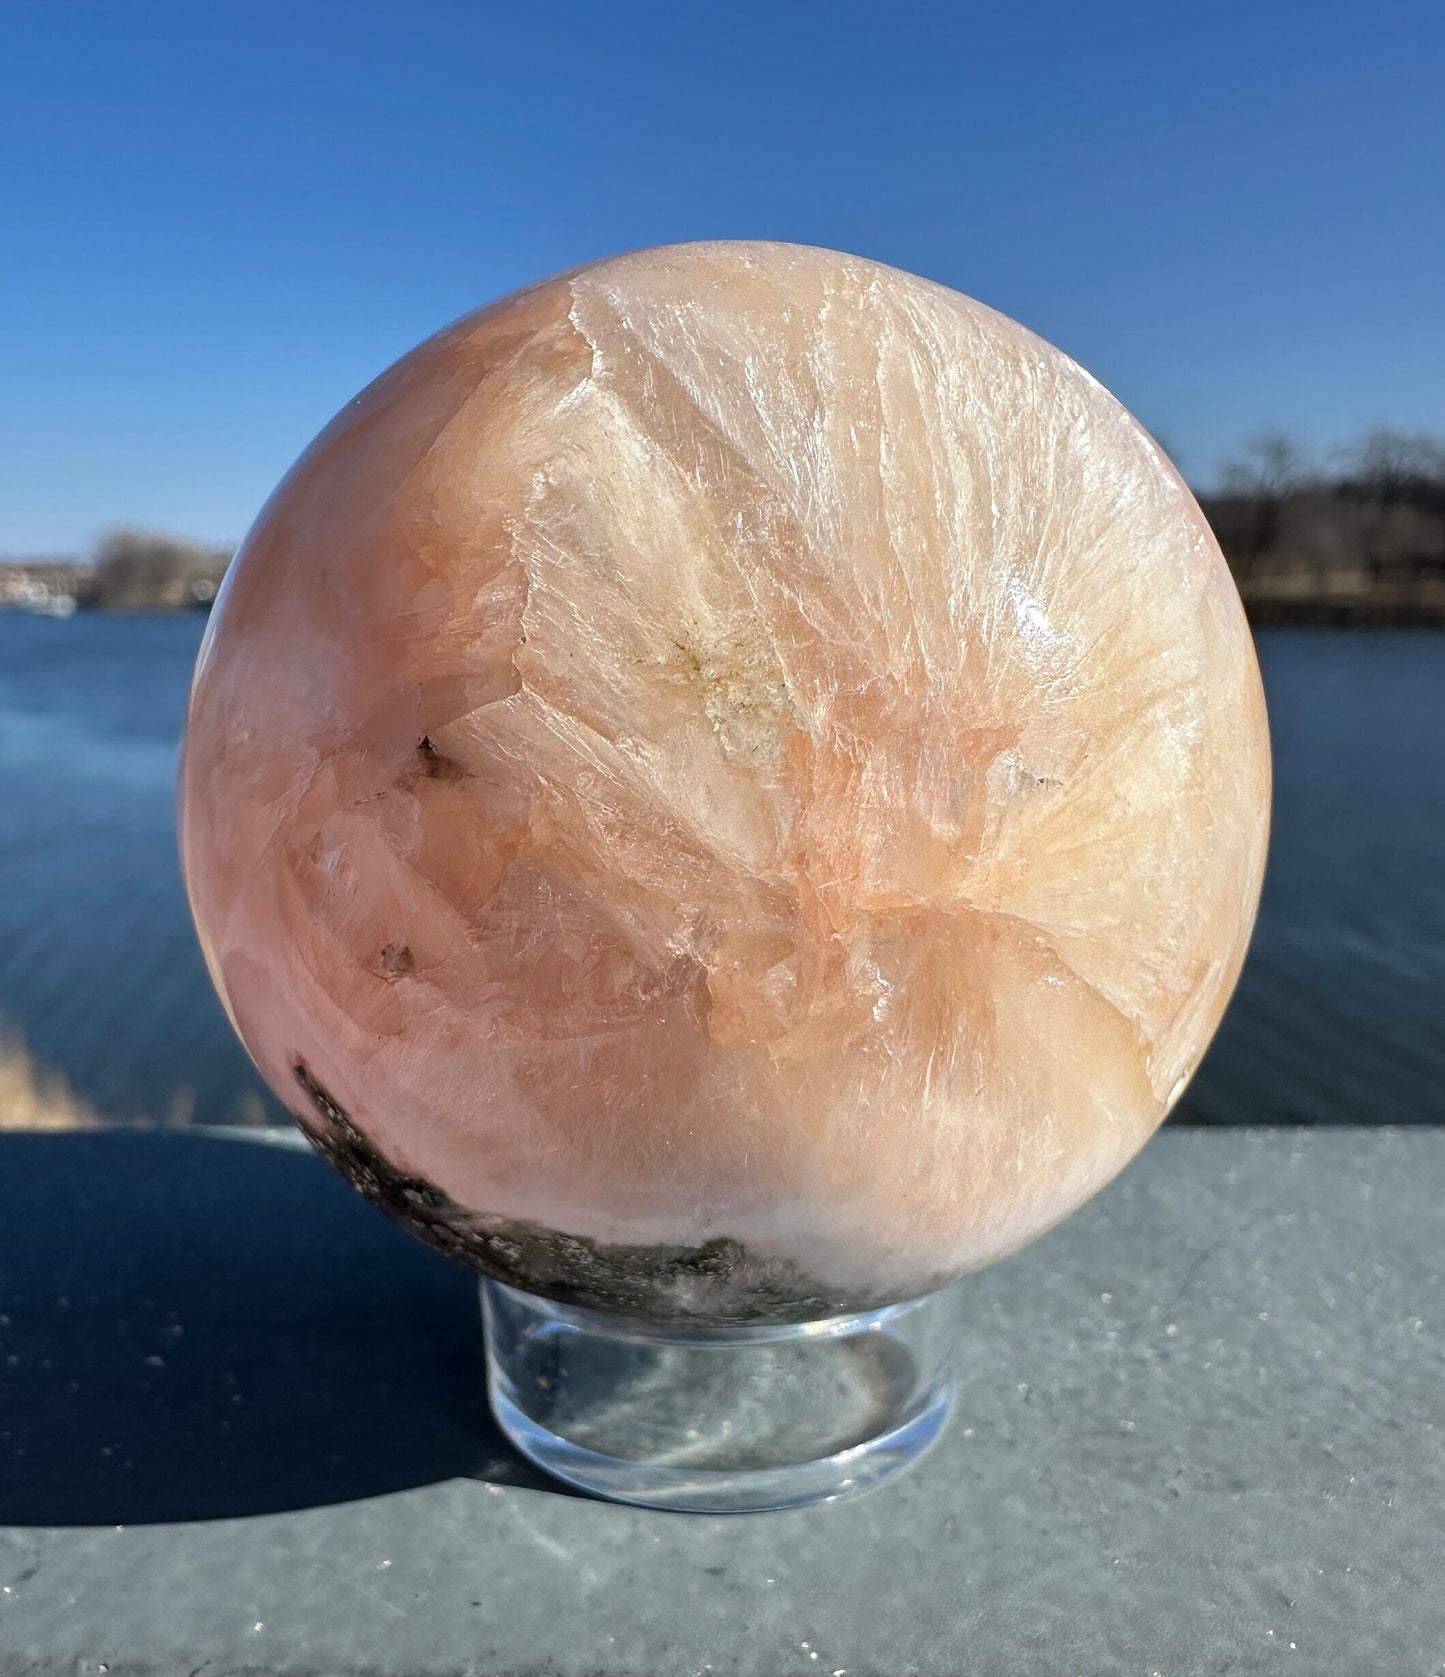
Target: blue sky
x=218, y=221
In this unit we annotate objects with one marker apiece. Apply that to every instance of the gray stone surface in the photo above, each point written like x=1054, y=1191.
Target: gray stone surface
x=1200, y=1429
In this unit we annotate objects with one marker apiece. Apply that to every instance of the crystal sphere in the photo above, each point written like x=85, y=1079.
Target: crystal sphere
x=731, y=784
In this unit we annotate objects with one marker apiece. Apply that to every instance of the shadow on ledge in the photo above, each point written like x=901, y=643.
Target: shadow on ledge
x=193, y=1328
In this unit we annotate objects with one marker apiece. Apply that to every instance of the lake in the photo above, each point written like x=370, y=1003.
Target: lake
x=105, y=1007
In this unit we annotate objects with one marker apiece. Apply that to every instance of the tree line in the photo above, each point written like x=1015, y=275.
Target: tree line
x=141, y=570
x=1367, y=526
x=1358, y=537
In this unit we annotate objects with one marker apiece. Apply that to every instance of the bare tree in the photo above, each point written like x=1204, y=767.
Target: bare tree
x=1391, y=470
x=1272, y=463
x=1391, y=464
x=1272, y=468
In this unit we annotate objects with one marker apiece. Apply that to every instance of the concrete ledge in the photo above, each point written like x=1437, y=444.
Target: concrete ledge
x=1201, y=1429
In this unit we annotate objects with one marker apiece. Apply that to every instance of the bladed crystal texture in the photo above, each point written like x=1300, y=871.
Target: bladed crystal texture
x=730, y=784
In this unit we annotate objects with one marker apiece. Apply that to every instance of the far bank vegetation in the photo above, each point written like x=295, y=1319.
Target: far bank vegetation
x=1357, y=538
x=1361, y=539
x=139, y=570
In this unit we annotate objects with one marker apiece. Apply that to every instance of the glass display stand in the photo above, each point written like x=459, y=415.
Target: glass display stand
x=719, y=1419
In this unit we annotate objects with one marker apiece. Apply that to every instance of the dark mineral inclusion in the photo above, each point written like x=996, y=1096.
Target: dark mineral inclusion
x=719, y=1283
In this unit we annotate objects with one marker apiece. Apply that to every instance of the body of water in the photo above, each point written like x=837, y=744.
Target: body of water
x=1340, y=1016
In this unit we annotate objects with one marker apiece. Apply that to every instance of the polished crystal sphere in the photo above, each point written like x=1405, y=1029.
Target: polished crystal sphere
x=729, y=785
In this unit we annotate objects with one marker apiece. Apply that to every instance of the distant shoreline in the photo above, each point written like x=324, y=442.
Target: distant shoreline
x=1323, y=610
x=1359, y=545
x=1294, y=586
x=1379, y=608
x=1332, y=614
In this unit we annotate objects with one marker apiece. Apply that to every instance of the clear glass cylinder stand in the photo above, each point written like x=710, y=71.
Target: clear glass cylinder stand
x=719, y=1420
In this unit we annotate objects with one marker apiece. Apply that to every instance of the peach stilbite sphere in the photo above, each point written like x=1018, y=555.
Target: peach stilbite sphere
x=730, y=784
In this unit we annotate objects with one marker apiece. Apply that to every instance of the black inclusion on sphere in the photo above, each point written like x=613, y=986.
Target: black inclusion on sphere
x=719, y=1283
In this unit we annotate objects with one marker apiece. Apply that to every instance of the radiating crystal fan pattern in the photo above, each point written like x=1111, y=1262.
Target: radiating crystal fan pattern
x=730, y=784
